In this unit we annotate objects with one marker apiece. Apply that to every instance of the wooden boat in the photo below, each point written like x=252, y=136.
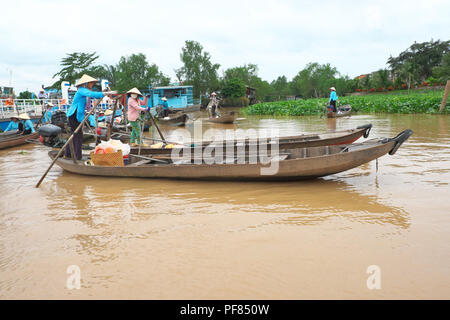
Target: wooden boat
x=293, y=164
x=13, y=138
x=178, y=119
x=225, y=118
x=343, y=111
x=289, y=142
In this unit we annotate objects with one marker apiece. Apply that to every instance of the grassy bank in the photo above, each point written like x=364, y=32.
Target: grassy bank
x=428, y=102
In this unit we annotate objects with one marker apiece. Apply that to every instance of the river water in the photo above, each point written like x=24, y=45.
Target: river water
x=163, y=239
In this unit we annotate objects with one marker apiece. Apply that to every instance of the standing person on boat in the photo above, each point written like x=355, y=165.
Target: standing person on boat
x=165, y=107
x=28, y=126
x=42, y=96
x=333, y=98
x=81, y=102
x=13, y=125
x=48, y=113
x=213, y=104
x=134, y=107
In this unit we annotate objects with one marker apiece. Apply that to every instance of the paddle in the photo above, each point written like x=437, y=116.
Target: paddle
x=157, y=128
x=67, y=142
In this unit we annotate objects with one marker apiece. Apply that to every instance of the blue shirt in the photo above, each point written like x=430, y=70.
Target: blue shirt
x=333, y=96
x=165, y=105
x=91, y=120
x=47, y=116
x=28, y=125
x=12, y=126
x=79, y=102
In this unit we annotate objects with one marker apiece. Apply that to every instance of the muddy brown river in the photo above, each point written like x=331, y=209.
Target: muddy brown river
x=166, y=239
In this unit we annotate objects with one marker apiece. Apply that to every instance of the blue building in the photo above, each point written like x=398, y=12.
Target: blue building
x=178, y=97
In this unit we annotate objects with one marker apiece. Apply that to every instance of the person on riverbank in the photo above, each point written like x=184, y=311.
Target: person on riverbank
x=134, y=108
x=165, y=107
x=333, y=98
x=28, y=126
x=81, y=102
x=13, y=125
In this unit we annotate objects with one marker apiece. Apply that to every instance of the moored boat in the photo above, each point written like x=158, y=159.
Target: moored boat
x=288, y=142
x=178, y=119
x=293, y=164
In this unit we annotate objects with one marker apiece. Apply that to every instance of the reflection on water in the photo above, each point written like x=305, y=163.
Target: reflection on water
x=192, y=239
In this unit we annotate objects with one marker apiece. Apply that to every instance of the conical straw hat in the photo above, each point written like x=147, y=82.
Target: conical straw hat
x=164, y=99
x=49, y=104
x=24, y=116
x=135, y=90
x=108, y=112
x=85, y=79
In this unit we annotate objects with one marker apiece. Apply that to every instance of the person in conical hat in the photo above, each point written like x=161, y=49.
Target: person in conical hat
x=81, y=102
x=333, y=99
x=28, y=126
x=13, y=125
x=135, y=106
x=165, y=107
x=48, y=112
x=212, y=105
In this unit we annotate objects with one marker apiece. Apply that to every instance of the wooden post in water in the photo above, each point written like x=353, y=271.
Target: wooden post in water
x=444, y=99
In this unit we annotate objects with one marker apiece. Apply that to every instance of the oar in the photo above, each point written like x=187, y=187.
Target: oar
x=67, y=143
x=159, y=131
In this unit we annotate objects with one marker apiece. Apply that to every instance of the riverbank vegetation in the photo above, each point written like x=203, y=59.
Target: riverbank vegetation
x=427, y=102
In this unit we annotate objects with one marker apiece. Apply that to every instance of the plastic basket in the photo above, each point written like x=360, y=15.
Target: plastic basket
x=108, y=159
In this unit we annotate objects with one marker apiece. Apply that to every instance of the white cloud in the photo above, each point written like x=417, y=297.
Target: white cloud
x=280, y=36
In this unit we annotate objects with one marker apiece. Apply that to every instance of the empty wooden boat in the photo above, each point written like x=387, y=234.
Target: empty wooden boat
x=288, y=142
x=178, y=119
x=292, y=164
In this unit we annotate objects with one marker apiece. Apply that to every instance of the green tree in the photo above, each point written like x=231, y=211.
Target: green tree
x=315, y=80
x=234, y=88
x=423, y=57
x=248, y=73
x=74, y=65
x=442, y=71
x=25, y=95
x=136, y=71
x=197, y=69
x=280, y=87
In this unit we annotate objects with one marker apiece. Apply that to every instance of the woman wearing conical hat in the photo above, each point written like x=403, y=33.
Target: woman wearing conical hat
x=165, y=107
x=48, y=113
x=28, y=126
x=81, y=102
x=13, y=125
x=134, y=108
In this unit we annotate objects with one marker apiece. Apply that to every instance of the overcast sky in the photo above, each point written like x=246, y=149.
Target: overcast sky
x=281, y=37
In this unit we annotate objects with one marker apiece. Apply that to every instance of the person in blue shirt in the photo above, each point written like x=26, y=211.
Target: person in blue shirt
x=13, y=125
x=48, y=113
x=333, y=98
x=81, y=102
x=165, y=107
x=28, y=126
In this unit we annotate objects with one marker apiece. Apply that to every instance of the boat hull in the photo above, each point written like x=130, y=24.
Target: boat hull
x=16, y=140
x=316, y=163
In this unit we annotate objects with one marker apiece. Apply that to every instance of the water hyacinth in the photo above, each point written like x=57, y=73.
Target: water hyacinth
x=428, y=102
